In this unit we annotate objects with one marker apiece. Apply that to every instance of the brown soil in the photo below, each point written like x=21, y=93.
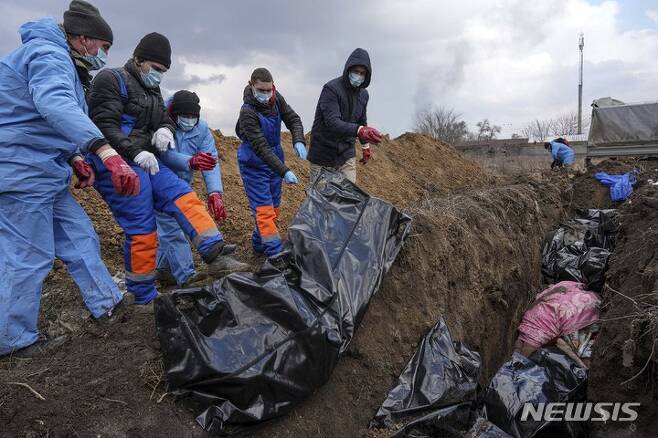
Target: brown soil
x=473, y=258
x=631, y=315
x=589, y=192
x=108, y=381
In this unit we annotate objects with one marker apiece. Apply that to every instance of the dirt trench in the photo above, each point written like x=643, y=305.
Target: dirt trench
x=473, y=258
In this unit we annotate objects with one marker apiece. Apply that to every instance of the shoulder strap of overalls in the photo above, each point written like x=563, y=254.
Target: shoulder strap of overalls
x=123, y=90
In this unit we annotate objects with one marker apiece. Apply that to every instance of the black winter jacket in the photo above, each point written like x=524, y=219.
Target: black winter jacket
x=248, y=127
x=145, y=104
x=341, y=110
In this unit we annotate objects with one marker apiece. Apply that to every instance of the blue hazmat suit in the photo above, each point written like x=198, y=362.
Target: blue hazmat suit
x=43, y=122
x=562, y=153
x=621, y=186
x=174, y=252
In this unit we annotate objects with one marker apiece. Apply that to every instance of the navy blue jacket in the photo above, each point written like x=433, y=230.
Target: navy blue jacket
x=340, y=111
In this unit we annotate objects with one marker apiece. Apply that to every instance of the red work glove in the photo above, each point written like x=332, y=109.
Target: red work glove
x=202, y=161
x=124, y=179
x=84, y=173
x=366, y=155
x=216, y=206
x=369, y=135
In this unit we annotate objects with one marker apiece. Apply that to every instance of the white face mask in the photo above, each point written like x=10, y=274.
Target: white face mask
x=356, y=79
x=97, y=61
x=187, y=123
x=262, y=96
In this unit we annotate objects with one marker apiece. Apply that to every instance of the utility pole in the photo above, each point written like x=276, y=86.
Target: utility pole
x=581, y=45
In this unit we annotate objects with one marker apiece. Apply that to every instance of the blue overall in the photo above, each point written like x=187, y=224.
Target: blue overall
x=163, y=192
x=174, y=252
x=263, y=186
x=562, y=153
x=43, y=121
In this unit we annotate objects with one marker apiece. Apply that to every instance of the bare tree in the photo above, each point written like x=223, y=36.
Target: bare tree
x=538, y=130
x=567, y=124
x=441, y=123
x=487, y=131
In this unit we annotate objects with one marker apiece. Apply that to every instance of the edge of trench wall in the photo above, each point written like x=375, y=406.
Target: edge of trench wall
x=473, y=258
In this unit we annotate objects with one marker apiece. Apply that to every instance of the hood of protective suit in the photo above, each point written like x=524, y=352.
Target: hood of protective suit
x=358, y=57
x=45, y=28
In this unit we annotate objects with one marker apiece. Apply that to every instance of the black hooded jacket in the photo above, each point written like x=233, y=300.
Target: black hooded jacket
x=341, y=110
x=145, y=104
x=248, y=127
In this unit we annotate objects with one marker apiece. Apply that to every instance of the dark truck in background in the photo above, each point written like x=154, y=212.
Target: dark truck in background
x=621, y=129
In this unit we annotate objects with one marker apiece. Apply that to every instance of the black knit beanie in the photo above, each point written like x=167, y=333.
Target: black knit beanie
x=185, y=102
x=154, y=47
x=83, y=18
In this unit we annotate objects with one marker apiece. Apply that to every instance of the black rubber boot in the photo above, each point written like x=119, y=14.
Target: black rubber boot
x=221, y=249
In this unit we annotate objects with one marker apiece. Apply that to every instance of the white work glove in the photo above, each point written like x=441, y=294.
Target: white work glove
x=163, y=139
x=147, y=161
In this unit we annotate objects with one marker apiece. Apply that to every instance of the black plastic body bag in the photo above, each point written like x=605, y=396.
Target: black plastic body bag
x=252, y=346
x=580, y=248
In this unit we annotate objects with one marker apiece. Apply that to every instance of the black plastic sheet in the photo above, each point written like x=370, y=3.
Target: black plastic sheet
x=547, y=376
x=579, y=249
x=252, y=346
x=485, y=429
x=450, y=421
x=441, y=373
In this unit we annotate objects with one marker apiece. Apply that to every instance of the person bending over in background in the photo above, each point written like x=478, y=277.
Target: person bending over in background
x=561, y=152
x=195, y=150
x=127, y=106
x=340, y=117
x=261, y=158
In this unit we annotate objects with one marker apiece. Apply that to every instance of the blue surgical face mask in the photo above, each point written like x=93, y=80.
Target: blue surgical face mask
x=151, y=79
x=261, y=96
x=187, y=123
x=356, y=79
x=97, y=61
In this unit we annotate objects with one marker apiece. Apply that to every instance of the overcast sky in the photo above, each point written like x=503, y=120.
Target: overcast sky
x=510, y=60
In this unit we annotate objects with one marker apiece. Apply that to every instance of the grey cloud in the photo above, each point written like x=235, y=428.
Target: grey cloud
x=316, y=37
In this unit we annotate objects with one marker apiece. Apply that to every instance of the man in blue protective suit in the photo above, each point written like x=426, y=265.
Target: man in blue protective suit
x=261, y=159
x=561, y=152
x=43, y=123
x=127, y=105
x=195, y=150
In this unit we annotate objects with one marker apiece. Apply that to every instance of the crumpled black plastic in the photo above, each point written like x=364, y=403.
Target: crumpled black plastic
x=450, y=421
x=252, y=346
x=580, y=248
x=547, y=376
x=483, y=428
x=441, y=373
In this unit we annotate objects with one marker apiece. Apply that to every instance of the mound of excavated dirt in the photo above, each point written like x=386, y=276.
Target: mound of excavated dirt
x=402, y=171
x=473, y=258
x=108, y=381
x=625, y=356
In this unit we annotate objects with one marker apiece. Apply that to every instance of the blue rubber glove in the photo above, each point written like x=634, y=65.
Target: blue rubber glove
x=300, y=150
x=290, y=178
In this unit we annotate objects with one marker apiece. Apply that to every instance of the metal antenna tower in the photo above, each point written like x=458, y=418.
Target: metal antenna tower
x=581, y=45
